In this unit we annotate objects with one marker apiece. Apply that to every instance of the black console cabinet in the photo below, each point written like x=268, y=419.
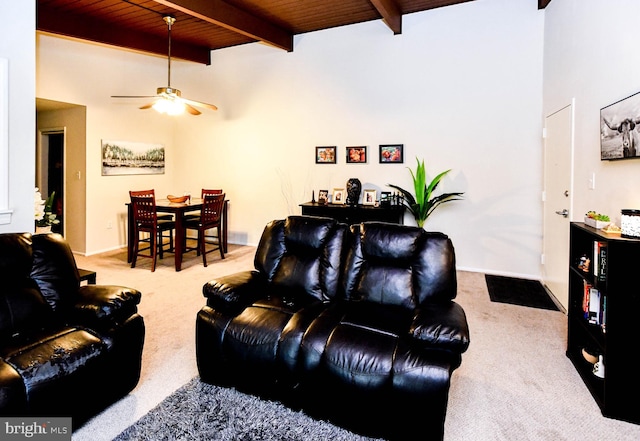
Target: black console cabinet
x=355, y=214
x=607, y=266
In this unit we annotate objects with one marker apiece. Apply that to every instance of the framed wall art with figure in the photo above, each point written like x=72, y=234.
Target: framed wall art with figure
x=357, y=155
x=391, y=154
x=326, y=155
x=619, y=129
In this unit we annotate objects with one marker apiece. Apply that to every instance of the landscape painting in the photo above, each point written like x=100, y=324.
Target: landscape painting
x=132, y=158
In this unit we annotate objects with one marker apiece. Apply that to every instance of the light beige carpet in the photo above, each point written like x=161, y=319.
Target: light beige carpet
x=515, y=382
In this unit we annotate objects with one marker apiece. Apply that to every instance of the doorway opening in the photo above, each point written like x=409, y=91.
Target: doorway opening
x=50, y=173
x=70, y=122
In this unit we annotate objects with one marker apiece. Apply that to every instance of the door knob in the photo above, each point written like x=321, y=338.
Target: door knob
x=563, y=213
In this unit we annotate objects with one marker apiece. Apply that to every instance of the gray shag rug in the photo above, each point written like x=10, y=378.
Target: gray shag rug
x=200, y=411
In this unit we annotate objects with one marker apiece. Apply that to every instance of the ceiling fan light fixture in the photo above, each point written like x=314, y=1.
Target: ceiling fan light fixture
x=168, y=99
x=170, y=106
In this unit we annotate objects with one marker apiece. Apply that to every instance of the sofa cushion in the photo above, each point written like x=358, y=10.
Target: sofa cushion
x=22, y=309
x=379, y=264
x=390, y=243
x=369, y=346
x=15, y=256
x=263, y=341
x=441, y=325
x=399, y=265
x=104, y=306
x=21, y=305
x=301, y=255
x=54, y=356
x=54, y=269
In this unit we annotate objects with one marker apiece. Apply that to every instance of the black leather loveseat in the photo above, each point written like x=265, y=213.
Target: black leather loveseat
x=65, y=349
x=352, y=324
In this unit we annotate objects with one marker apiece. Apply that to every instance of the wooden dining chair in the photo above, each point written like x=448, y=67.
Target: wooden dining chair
x=196, y=214
x=149, y=228
x=210, y=218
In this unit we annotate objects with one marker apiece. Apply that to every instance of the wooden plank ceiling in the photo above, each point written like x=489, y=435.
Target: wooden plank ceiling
x=205, y=25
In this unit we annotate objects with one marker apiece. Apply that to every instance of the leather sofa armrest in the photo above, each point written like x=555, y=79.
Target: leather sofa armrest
x=104, y=305
x=235, y=291
x=441, y=325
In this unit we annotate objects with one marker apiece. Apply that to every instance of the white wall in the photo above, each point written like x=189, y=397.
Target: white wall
x=17, y=45
x=461, y=87
x=590, y=53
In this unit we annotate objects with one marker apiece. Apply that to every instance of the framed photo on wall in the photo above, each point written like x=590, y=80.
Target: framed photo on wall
x=391, y=153
x=357, y=155
x=326, y=155
x=369, y=197
x=618, y=139
x=338, y=196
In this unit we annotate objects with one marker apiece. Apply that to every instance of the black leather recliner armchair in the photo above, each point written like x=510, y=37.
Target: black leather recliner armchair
x=356, y=325
x=65, y=349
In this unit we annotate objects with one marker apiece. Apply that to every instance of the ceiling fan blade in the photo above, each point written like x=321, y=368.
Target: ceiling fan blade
x=146, y=106
x=192, y=110
x=199, y=104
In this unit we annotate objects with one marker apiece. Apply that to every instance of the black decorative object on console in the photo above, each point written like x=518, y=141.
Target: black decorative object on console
x=353, y=191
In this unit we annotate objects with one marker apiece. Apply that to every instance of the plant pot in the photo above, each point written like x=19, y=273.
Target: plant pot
x=595, y=223
x=43, y=230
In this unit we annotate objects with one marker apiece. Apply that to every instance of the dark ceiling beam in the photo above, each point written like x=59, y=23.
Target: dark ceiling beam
x=85, y=28
x=543, y=3
x=222, y=14
x=391, y=14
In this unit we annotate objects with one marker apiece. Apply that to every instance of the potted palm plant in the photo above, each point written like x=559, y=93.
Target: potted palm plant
x=422, y=204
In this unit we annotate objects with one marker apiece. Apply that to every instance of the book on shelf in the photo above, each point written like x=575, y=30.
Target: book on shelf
x=600, y=260
x=585, y=299
x=603, y=325
x=594, y=306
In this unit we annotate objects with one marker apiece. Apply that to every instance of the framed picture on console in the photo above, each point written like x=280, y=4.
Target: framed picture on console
x=391, y=153
x=323, y=196
x=326, y=155
x=369, y=197
x=338, y=196
x=385, y=198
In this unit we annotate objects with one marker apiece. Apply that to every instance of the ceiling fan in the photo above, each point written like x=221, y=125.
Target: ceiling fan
x=168, y=99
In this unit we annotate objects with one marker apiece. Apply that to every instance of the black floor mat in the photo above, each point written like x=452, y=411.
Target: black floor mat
x=521, y=292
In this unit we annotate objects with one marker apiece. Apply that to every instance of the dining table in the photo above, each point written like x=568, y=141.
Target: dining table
x=178, y=209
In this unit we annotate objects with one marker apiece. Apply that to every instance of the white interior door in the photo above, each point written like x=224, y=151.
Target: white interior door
x=558, y=198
